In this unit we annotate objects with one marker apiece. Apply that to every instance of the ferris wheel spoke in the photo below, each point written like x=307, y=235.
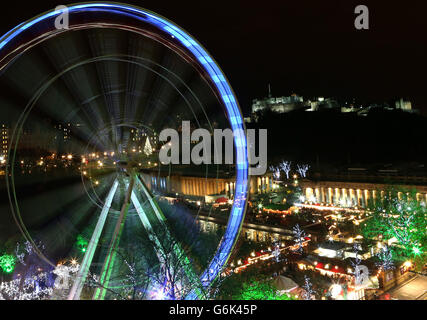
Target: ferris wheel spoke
x=93, y=243
x=114, y=243
x=177, y=249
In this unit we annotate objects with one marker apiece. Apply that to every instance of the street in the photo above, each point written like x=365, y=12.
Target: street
x=414, y=289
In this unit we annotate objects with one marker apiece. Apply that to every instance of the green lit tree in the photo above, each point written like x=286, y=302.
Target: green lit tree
x=250, y=284
x=81, y=243
x=7, y=263
x=260, y=290
x=399, y=216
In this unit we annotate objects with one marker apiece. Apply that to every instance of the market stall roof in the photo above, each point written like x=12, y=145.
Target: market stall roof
x=333, y=245
x=221, y=200
x=283, y=283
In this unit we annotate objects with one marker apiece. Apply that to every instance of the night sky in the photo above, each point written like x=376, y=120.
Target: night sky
x=305, y=47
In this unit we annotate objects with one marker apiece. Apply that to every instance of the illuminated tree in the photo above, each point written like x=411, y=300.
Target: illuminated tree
x=308, y=293
x=148, y=150
x=34, y=288
x=299, y=236
x=171, y=271
x=276, y=172
x=302, y=170
x=276, y=252
x=286, y=167
x=42, y=285
x=261, y=290
x=385, y=259
x=81, y=243
x=400, y=219
x=156, y=263
x=130, y=281
x=22, y=251
x=251, y=284
x=27, y=254
x=7, y=263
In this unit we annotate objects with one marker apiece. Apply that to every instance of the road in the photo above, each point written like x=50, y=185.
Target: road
x=415, y=289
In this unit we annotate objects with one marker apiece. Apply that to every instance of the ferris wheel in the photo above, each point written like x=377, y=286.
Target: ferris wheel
x=92, y=97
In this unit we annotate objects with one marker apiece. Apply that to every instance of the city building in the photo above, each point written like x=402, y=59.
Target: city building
x=404, y=105
x=322, y=103
x=296, y=102
x=279, y=105
x=4, y=141
x=61, y=137
x=139, y=138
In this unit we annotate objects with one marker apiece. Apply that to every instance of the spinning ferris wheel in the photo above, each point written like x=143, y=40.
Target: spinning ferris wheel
x=92, y=98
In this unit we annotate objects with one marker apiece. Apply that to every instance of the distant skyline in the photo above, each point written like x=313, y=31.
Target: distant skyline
x=349, y=100
x=310, y=48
